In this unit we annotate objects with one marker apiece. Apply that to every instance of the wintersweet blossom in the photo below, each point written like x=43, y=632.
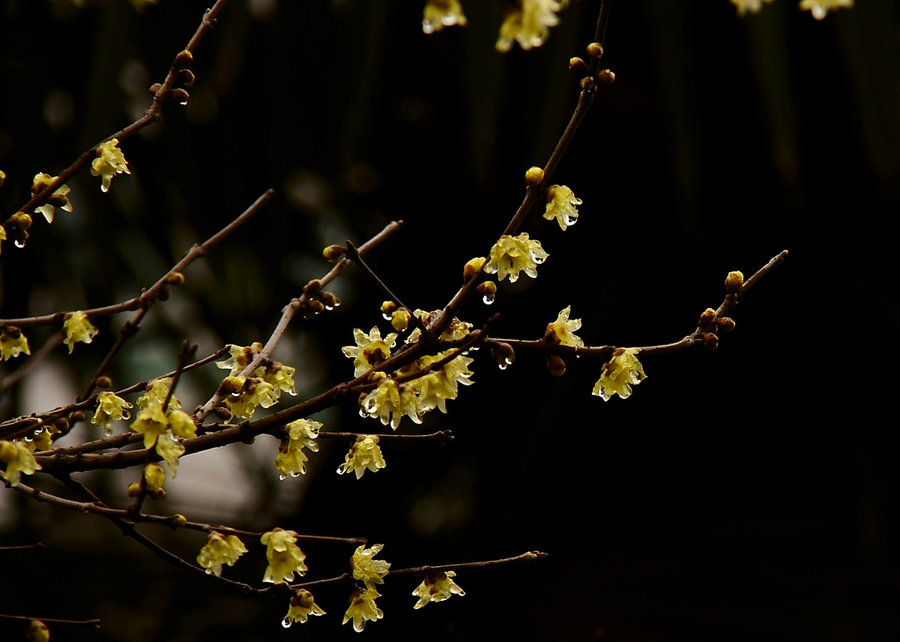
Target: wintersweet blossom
x=254, y=392
x=219, y=550
x=291, y=460
x=78, y=329
x=529, y=23
x=367, y=569
x=437, y=587
x=619, y=374
x=240, y=357
x=13, y=343
x=435, y=388
x=514, y=254
x=562, y=205
x=442, y=13
x=110, y=161
x=302, y=606
x=370, y=349
x=749, y=6
x=163, y=429
x=562, y=331
x=19, y=460
x=391, y=401
x=59, y=198
x=284, y=556
x=362, y=608
x=154, y=477
x=110, y=408
x=820, y=8
x=365, y=454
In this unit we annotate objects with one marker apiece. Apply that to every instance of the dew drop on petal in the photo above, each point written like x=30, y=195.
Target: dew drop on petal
x=329, y=308
x=282, y=477
x=286, y=623
x=488, y=299
x=427, y=27
x=571, y=220
x=363, y=413
x=513, y=277
x=386, y=317
x=503, y=366
x=537, y=258
x=19, y=244
x=295, y=474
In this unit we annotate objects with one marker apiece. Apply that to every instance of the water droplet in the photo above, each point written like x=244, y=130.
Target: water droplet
x=184, y=103
x=386, y=317
x=329, y=308
x=20, y=244
x=571, y=220
x=29, y=438
x=503, y=366
x=282, y=477
x=363, y=413
x=286, y=623
x=336, y=304
x=488, y=299
x=427, y=27
x=295, y=474
x=537, y=258
x=513, y=277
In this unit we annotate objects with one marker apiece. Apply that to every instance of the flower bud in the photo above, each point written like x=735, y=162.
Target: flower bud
x=134, y=489
x=534, y=176
x=178, y=519
x=19, y=221
x=710, y=340
x=222, y=412
x=38, y=632
x=487, y=290
x=183, y=59
x=312, y=288
x=400, y=319
x=181, y=96
x=503, y=354
x=176, y=278
x=104, y=382
x=154, y=88
x=333, y=252
x=725, y=324
x=606, y=77
x=76, y=416
x=154, y=476
x=186, y=78
x=595, y=50
x=2, y=177
x=473, y=266
x=578, y=65
x=556, y=365
x=8, y=452
x=707, y=318
x=734, y=282
x=587, y=81
x=388, y=307
x=329, y=300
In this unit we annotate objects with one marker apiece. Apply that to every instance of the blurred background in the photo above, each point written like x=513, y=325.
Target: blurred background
x=745, y=494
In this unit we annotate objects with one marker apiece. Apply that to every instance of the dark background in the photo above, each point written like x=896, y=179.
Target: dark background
x=743, y=494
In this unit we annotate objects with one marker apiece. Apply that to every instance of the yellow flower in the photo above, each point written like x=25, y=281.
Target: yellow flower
x=2, y=233
x=109, y=162
x=390, y=401
x=435, y=388
x=13, y=343
x=150, y=422
x=362, y=608
x=59, y=198
x=820, y=8
x=170, y=449
x=291, y=460
x=514, y=254
x=37, y=632
x=370, y=349
x=619, y=374
x=280, y=376
x=110, y=408
x=154, y=477
x=562, y=206
x=749, y=6
x=241, y=357
x=367, y=569
x=562, y=331
x=78, y=329
x=529, y=23
x=365, y=454
x=18, y=459
x=442, y=13
x=160, y=428
x=284, y=556
x=181, y=424
x=302, y=606
x=220, y=550
x=255, y=393
x=437, y=587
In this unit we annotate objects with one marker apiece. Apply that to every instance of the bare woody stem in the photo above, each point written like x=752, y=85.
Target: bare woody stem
x=151, y=116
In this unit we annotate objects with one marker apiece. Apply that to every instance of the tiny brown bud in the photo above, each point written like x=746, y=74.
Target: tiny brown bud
x=223, y=413
x=315, y=306
x=606, y=77
x=12, y=332
x=578, y=65
x=595, y=50
x=104, y=382
x=726, y=324
x=534, y=176
x=76, y=416
x=164, y=293
x=181, y=96
x=487, y=290
x=707, y=318
x=186, y=78
x=556, y=365
x=586, y=82
x=312, y=288
x=183, y=59
x=503, y=354
x=176, y=278
x=710, y=340
x=61, y=424
x=734, y=282
x=154, y=88
x=333, y=252
x=329, y=300
x=58, y=200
